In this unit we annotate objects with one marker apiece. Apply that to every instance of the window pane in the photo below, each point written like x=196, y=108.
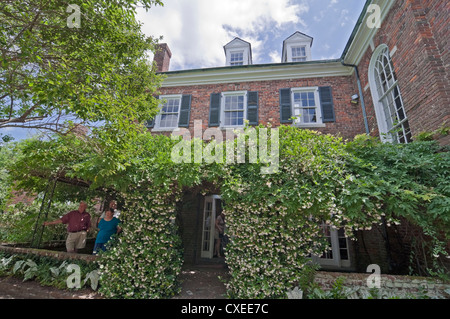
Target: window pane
x=169, y=113
x=237, y=58
x=233, y=103
x=344, y=254
x=169, y=120
x=309, y=115
x=234, y=118
x=298, y=52
x=305, y=107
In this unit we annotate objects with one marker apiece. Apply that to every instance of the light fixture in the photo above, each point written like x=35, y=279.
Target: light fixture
x=355, y=99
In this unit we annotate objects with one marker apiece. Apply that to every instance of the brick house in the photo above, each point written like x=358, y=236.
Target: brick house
x=392, y=81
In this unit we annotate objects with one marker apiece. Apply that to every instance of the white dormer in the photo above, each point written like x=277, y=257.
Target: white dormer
x=238, y=52
x=297, y=48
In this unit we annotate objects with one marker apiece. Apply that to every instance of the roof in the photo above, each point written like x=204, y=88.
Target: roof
x=245, y=42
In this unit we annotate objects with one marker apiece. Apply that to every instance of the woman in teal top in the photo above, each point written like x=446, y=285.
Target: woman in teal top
x=109, y=225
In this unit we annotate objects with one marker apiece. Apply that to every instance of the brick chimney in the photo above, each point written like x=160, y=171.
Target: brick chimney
x=162, y=57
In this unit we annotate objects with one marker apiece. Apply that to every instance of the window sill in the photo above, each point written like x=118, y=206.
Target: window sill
x=166, y=129
x=309, y=125
x=231, y=127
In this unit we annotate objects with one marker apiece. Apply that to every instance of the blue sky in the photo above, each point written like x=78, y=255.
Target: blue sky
x=197, y=30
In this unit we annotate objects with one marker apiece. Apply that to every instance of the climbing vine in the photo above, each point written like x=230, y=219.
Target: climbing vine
x=274, y=220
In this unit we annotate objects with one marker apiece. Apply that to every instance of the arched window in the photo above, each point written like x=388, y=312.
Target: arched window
x=391, y=116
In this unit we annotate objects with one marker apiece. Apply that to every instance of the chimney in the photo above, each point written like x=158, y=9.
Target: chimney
x=162, y=57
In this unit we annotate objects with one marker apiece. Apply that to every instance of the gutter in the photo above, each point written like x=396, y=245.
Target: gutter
x=250, y=66
x=361, y=96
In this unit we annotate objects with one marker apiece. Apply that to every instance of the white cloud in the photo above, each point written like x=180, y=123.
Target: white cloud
x=197, y=30
x=345, y=17
x=275, y=56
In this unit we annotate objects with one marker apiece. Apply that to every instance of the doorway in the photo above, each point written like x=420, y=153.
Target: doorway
x=212, y=207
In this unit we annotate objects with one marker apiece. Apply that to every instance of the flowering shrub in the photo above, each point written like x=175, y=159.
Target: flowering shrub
x=273, y=220
x=144, y=261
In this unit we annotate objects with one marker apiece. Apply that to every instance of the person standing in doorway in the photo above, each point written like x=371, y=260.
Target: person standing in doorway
x=218, y=234
x=78, y=224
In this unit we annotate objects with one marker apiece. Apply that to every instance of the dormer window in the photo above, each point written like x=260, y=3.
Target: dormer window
x=297, y=48
x=237, y=58
x=238, y=52
x=298, y=54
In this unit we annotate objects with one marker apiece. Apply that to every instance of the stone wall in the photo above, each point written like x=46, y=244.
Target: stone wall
x=390, y=285
x=60, y=255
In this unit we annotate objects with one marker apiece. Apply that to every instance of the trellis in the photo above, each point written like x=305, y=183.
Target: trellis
x=47, y=201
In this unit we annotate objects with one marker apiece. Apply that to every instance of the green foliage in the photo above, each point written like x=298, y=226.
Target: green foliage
x=410, y=181
x=17, y=223
x=6, y=156
x=146, y=259
x=273, y=220
x=54, y=75
x=443, y=130
x=46, y=270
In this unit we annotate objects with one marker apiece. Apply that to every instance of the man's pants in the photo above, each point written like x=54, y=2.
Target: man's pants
x=76, y=241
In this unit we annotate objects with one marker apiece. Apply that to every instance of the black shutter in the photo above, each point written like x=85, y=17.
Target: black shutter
x=151, y=123
x=285, y=106
x=185, y=111
x=214, y=109
x=252, y=108
x=326, y=103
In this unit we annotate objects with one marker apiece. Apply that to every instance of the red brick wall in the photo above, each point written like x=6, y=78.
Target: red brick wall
x=162, y=57
x=419, y=30
x=349, y=119
x=21, y=197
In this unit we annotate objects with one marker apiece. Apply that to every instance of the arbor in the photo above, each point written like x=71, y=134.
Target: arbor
x=83, y=62
x=274, y=220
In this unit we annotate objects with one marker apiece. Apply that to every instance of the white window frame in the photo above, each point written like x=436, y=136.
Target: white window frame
x=222, y=108
x=289, y=46
x=157, y=126
x=298, y=122
x=237, y=62
x=299, y=58
x=386, y=129
x=336, y=261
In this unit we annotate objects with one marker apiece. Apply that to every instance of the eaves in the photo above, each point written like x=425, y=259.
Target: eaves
x=256, y=72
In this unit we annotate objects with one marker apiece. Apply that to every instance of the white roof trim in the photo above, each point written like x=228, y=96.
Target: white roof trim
x=255, y=73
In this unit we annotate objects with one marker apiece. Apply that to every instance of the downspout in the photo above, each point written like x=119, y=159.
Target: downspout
x=361, y=96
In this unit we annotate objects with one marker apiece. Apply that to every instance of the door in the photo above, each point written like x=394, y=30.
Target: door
x=338, y=256
x=212, y=204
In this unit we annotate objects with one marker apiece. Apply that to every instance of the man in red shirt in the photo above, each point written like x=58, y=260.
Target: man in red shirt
x=78, y=224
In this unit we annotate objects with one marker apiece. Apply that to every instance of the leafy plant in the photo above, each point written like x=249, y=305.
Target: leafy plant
x=26, y=267
x=93, y=277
